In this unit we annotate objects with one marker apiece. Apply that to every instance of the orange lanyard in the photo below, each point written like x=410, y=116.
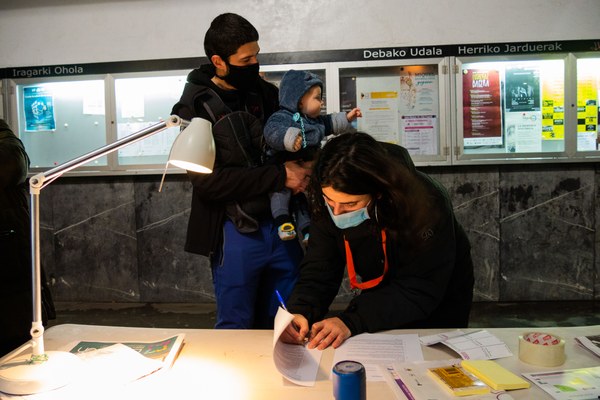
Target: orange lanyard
x=352, y=274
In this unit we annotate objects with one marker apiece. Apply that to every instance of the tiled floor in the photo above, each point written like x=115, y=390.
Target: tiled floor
x=534, y=314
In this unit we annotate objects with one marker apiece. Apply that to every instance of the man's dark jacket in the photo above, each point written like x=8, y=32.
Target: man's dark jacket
x=16, y=309
x=230, y=181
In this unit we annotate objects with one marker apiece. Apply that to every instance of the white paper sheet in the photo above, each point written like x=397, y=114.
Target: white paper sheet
x=118, y=364
x=374, y=349
x=296, y=363
x=439, y=337
x=479, y=345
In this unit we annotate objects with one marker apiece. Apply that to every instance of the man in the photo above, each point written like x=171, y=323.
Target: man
x=230, y=219
x=15, y=249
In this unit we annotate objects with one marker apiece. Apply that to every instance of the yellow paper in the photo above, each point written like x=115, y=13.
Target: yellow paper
x=494, y=375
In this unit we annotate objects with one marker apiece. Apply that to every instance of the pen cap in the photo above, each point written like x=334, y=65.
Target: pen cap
x=349, y=381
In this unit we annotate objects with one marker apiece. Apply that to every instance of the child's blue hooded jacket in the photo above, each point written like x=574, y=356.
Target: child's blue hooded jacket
x=281, y=129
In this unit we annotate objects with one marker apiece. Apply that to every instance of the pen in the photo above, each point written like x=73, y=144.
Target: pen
x=280, y=300
x=305, y=340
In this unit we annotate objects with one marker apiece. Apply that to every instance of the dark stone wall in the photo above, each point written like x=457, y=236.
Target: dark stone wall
x=117, y=239
x=532, y=228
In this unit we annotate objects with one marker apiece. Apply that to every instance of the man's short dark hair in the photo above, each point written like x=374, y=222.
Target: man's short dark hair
x=227, y=33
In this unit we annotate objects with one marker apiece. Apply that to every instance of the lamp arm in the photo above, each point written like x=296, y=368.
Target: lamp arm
x=41, y=180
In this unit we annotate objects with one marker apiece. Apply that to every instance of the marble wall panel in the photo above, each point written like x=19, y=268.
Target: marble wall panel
x=532, y=229
x=548, y=232
x=167, y=273
x=95, y=245
x=474, y=195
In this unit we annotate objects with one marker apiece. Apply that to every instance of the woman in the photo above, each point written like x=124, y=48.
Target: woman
x=408, y=258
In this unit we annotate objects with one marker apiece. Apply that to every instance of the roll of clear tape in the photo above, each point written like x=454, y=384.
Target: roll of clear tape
x=541, y=349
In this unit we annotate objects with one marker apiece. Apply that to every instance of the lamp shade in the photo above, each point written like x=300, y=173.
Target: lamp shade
x=194, y=147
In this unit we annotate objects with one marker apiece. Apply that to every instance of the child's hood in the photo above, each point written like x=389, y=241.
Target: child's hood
x=293, y=86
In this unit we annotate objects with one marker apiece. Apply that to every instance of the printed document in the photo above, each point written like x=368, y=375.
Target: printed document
x=478, y=345
x=374, y=349
x=295, y=362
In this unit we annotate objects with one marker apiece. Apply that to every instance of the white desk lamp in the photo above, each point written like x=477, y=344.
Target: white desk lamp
x=193, y=149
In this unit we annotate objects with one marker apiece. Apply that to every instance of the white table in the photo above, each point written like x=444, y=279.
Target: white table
x=238, y=364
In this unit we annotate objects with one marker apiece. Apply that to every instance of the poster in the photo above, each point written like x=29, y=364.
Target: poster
x=522, y=89
x=553, y=103
x=418, y=90
x=38, y=105
x=377, y=98
x=587, y=105
x=401, y=109
x=482, y=117
x=523, y=116
x=419, y=134
x=523, y=132
x=418, y=109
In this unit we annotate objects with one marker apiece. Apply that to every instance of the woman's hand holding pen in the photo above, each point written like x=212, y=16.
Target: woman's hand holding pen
x=329, y=332
x=297, y=331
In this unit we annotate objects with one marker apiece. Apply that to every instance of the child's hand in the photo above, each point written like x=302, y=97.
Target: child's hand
x=353, y=114
x=298, y=143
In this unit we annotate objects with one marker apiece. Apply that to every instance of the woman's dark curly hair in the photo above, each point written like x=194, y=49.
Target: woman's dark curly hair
x=355, y=163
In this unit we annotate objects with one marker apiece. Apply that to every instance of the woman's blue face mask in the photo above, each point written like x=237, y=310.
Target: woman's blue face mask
x=349, y=219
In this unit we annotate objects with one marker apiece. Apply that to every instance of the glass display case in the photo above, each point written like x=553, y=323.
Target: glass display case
x=60, y=120
x=511, y=108
x=401, y=102
x=142, y=101
x=459, y=104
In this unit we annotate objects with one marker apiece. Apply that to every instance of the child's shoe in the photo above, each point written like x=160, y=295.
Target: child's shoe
x=287, y=231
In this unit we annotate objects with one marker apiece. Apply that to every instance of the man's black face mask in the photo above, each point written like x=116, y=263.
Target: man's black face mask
x=244, y=78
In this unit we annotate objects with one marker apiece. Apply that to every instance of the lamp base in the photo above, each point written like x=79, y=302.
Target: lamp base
x=22, y=376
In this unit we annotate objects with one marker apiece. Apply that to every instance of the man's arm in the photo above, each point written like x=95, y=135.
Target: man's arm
x=239, y=183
